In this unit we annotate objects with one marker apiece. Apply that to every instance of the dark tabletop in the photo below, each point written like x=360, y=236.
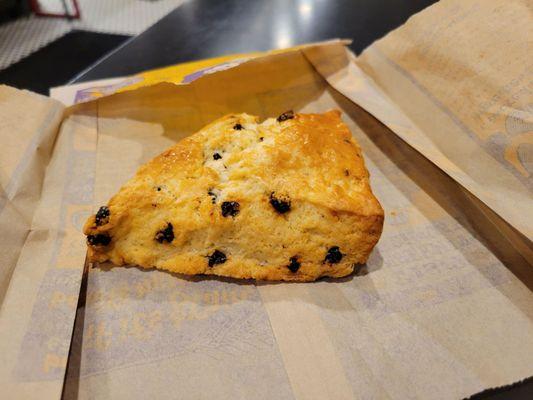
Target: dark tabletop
x=208, y=28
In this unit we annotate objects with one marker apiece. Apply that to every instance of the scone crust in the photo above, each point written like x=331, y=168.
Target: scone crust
x=309, y=161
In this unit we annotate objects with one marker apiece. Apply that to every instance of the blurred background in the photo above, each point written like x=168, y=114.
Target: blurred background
x=47, y=43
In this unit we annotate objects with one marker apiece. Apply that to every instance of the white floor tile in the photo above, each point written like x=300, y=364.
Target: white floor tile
x=23, y=36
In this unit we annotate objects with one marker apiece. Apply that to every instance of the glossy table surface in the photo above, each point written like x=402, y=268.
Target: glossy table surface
x=208, y=28
x=201, y=29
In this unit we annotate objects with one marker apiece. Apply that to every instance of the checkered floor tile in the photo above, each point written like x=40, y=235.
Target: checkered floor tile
x=23, y=36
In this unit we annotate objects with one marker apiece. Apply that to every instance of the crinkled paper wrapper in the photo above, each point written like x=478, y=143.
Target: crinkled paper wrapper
x=442, y=109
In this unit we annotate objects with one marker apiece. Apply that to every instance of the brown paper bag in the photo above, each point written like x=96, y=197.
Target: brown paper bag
x=427, y=320
x=53, y=183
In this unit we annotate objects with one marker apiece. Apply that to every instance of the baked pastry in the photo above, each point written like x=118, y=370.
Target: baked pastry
x=285, y=199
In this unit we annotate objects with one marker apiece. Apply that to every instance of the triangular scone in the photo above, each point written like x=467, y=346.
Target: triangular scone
x=285, y=199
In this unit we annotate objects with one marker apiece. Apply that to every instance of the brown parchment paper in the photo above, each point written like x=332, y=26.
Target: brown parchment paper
x=462, y=74
x=438, y=315
x=26, y=149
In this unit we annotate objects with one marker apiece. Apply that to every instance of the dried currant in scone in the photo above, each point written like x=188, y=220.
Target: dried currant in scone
x=217, y=156
x=230, y=208
x=334, y=255
x=102, y=216
x=285, y=116
x=281, y=204
x=216, y=258
x=238, y=127
x=166, y=234
x=100, y=239
x=213, y=196
x=294, y=264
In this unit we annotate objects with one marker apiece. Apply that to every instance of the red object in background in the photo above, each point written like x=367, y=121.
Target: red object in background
x=36, y=8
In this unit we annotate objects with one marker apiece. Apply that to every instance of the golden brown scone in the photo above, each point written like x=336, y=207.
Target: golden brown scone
x=285, y=199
